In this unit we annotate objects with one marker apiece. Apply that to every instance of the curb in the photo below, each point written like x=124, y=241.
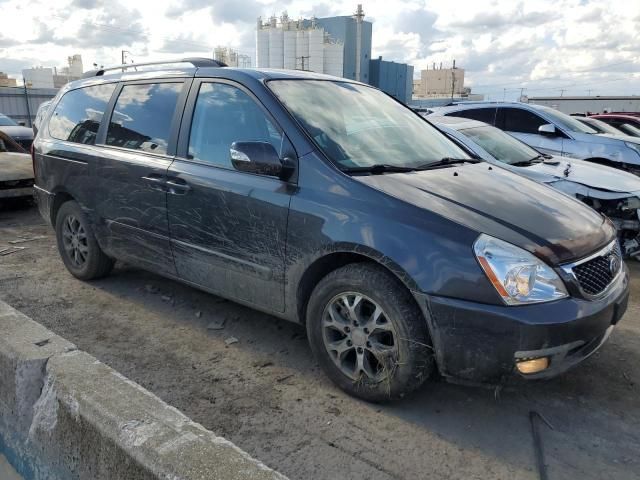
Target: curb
x=64, y=415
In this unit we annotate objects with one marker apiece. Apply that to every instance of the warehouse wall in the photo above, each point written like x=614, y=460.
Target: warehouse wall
x=13, y=102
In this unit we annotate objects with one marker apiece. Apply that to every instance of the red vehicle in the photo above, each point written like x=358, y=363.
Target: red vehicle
x=627, y=123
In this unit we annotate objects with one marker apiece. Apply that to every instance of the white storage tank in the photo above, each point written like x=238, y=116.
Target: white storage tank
x=334, y=59
x=262, y=48
x=290, y=49
x=276, y=48
x=316, y=50
x=302, y=49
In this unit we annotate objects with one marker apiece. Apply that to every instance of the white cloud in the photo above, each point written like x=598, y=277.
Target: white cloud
x=542, y=45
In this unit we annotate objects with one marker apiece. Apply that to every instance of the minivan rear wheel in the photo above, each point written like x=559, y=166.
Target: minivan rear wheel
x=77, y=244
x=368, y=334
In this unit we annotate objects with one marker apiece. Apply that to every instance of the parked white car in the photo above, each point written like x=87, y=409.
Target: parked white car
x=608, y=190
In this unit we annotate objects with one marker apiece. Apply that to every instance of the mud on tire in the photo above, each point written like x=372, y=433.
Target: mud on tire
x=368, y=334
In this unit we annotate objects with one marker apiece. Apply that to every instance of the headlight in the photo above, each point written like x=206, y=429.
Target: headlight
x=518, y=276
x=633, y=146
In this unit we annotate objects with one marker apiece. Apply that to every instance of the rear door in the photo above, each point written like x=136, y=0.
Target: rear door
x=228, y=228
x=524, y=125
x=130, y=192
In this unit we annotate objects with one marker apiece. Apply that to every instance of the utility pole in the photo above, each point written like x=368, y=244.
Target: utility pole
x=521, y=94
x=504, y=94
x=26, y=99
x=589, y=92
x=302, y=59
x=562, y=92
x=453, y=83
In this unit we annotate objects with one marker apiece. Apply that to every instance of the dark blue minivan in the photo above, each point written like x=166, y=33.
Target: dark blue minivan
x=325, y=202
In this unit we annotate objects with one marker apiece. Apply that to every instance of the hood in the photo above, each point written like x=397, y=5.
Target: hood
x=15, y=166
x=622, y=136
x=16, y=131
x=553, y=226
x=586, y=173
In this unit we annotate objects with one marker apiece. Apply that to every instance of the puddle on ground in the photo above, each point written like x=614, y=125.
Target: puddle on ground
x=6, y=471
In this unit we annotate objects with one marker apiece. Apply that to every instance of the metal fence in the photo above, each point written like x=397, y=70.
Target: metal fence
x=22, y=104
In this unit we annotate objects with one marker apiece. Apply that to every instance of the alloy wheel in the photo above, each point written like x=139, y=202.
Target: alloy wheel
x=359, y=337
x=74, y=239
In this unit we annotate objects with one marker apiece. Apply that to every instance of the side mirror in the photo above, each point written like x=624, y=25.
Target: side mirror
x=548, y=129
x=258, y=157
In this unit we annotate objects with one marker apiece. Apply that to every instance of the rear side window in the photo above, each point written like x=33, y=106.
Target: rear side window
x=486, y=115
x=519, y=120
x=142, y=117
x=225, y=114
x=79, y=112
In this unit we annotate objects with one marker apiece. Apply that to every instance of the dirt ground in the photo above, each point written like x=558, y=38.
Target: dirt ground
x=266, y=394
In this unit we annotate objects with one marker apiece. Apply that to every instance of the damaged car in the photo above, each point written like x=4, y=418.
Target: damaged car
x=325, y=202
x=16, y=169
x=610, y=191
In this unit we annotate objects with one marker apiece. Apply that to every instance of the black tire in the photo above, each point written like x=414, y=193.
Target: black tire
x=91, y=262
x=407, y=368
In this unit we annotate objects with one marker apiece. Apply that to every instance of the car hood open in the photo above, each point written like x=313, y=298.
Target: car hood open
x=17, y=131
x=495, y=201
x=15, y=166
x=586, y=173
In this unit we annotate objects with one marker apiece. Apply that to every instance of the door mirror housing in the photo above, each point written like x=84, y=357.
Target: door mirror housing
x=548, y=129
x=258, y=157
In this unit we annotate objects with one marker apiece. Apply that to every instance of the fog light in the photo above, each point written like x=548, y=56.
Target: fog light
x=532, y=366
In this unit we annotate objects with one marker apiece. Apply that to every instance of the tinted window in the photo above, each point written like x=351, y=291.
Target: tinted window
x=142, y=117
x=519, y=120
x=486, y=115
x=225, y=114
x=6, y=121
x=564, y=121
x=79, y=112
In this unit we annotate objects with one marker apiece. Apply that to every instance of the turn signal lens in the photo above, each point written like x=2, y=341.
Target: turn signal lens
x=533, y=366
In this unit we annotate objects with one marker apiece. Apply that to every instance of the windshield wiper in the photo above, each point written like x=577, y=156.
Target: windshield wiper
x=378, y=168
x=537, y=159
x=446, y=161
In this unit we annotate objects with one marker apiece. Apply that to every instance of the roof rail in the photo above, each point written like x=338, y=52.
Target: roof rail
x=195, y=61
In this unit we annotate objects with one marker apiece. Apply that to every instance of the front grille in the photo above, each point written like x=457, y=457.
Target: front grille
x=597, y=273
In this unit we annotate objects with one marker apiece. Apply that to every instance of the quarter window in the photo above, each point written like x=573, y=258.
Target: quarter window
x=486, y=115
x=520, y=120
x=225, y=114
x=142, y=117
x=79, y=112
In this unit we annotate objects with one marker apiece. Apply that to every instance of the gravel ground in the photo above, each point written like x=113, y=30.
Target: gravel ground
x=266, y=394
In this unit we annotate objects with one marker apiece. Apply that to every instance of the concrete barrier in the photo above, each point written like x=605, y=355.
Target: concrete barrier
x=64, y=415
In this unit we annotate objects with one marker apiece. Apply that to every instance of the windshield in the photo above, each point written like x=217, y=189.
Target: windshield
x=359, y=126
x=6, y=121
x=599, y=126
x=565, y=121
x=630, y=129
x=500, y=145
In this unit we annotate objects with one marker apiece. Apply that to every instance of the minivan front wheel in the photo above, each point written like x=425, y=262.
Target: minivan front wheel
x=77, y=245
x=367, y=333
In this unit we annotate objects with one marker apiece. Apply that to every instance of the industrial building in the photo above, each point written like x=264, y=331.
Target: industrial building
x=394, y=78
x=338, y=46
x=231, y=57
x=297, y=45
x=21, y=104
x=589, y=104
x=440, y=82
x=5, y=81
x=45, y=77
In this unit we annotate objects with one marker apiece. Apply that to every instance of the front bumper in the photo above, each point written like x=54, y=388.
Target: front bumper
x=480, y=343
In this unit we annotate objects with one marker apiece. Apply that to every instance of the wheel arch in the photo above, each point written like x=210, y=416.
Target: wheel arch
x=60, y=197
x=328, y=261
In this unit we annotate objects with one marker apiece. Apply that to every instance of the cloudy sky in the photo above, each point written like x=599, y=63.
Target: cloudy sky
x=543, y=46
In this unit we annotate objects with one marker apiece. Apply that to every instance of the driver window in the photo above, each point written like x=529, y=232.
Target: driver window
x=224, y=114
